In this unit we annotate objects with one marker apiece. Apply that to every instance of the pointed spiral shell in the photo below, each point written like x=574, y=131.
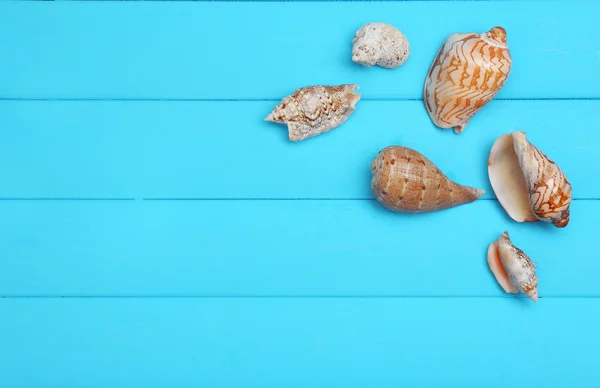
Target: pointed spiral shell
x=467, y=73
x=404, y=180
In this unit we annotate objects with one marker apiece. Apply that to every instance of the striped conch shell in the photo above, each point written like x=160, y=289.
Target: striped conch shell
x=380, y=44
x=406, y=181
x=467, y=73
x=512, y=268
x=313, y=110
x=528, y=184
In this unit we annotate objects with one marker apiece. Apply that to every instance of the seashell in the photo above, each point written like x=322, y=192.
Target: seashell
x=512, y=268
x=406, y=181
x=313, y=110
x=528, y=184
x=467, y=73
x=380, y=44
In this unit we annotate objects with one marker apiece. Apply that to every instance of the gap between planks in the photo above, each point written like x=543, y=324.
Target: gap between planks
x=226, y=199
x=298, y=1
x=383, y=99
x=333, y=297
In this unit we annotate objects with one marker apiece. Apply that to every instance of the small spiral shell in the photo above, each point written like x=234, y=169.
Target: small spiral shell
x=313, y=110
x=404, y=180
x=513, y=269
x=467, y=73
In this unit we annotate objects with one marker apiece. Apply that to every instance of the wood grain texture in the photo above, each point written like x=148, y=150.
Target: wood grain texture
x=279, y=248
x=200, y=50
x=226, y=150
x=298, y=343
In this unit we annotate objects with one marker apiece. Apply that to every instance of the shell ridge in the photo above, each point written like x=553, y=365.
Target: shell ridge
x=549, y=191
x=316, y=109
x=518, y=265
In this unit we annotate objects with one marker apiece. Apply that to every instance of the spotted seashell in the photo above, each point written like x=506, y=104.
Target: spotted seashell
x=313, y=110
x=512, y=268
x=406, y=181
x=528, y=184
x=380, y=44
x=467, y=73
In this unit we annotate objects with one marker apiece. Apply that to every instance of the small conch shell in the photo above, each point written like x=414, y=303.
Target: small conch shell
x=512, y=268
x=380, y=44
x=528, y=184
x=467, y=73
x=313, y=110
x=406, y=181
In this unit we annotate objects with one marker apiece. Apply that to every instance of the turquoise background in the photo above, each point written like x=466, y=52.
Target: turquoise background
x=155, y=231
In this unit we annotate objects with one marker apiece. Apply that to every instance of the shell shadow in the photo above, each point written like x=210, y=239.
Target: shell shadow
x=519, y=298
x=485, y=177
x=282, y=128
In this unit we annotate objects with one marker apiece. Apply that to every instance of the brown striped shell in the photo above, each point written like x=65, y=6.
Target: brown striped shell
x=467, y=73
x=528, y=184
x=406, y=181
x=513, y=269
x=313, y=110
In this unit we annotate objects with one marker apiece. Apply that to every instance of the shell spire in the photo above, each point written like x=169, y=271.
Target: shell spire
x=313, y=110
x=404, y=180
x=513, y=269
x=529, y=185
x=498, y=35
x=466, y=74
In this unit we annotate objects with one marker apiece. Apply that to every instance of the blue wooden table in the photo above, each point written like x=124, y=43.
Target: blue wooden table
x=156, y=232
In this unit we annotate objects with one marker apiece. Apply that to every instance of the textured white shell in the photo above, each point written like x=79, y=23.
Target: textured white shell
x=380, y=44
x=467, y=73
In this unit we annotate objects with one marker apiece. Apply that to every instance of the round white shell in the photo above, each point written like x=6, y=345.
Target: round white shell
x=380, y=44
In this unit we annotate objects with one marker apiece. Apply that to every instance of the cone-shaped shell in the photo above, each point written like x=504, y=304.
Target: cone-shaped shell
x=512, y=268
x=313, y=110
x=467, y=73
x=406, y=181
x=528, y=184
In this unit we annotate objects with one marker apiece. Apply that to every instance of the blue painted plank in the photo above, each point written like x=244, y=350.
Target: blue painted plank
x=274, y=248
x=344, y=1
x=226, y=150
x=66, y=150
x=273, y=343
x=166, y=50
x=318, y=1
